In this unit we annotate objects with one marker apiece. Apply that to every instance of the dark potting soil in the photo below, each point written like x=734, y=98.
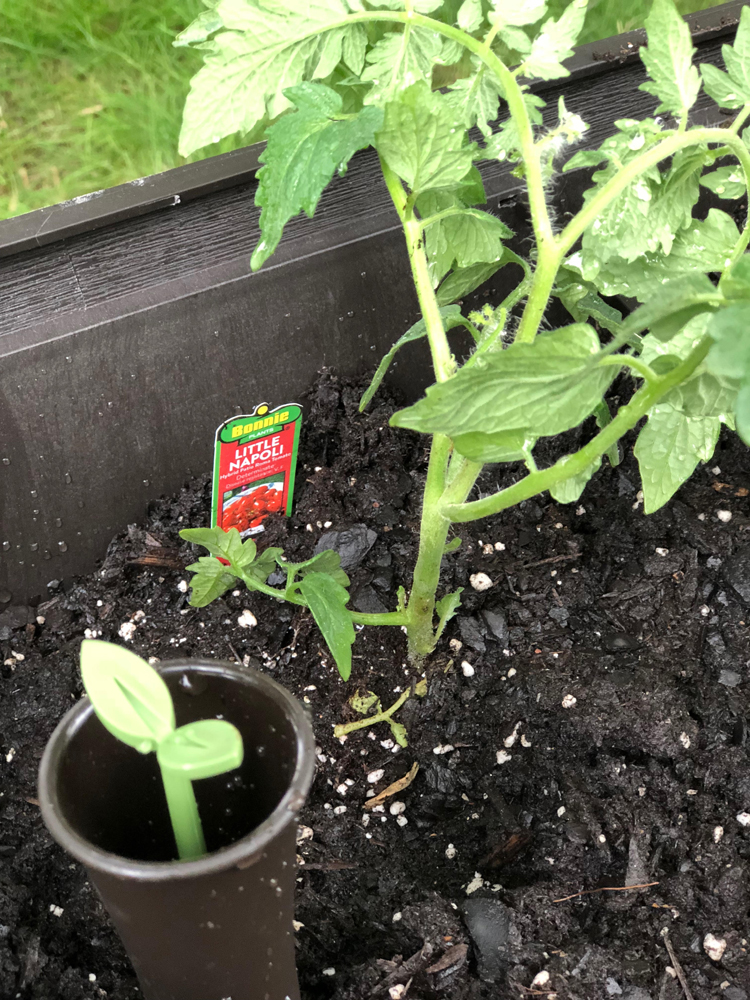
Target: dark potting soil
x=585, y=729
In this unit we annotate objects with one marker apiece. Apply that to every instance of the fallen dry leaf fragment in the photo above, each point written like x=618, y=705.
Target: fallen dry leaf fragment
x=397, y=786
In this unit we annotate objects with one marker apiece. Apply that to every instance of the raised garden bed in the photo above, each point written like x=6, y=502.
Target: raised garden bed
x=639, y=781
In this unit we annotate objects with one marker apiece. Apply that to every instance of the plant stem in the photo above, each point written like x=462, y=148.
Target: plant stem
x=572, y=465
x=183, y=813
x=371, y=720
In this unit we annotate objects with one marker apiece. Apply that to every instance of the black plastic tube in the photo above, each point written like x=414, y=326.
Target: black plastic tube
x=219, y=927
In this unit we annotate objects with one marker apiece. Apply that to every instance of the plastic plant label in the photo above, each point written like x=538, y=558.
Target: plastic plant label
x=255, y=459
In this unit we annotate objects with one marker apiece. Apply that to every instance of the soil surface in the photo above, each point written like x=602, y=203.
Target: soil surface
x=585, y=729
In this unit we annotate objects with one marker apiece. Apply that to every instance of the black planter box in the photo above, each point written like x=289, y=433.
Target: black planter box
x=131, y=324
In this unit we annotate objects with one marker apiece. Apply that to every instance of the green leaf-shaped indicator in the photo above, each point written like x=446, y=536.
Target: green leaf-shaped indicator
x=201, y=749
x=129, y=697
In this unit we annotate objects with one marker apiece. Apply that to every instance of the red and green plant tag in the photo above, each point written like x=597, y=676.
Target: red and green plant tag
x=255, y=459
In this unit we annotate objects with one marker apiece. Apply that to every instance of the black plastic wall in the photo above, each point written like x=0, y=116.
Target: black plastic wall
x=131, y=325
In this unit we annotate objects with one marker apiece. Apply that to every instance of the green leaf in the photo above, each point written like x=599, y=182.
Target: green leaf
x=421, y=6
x=518, y=12
x=583, y=303
x=677, y=302
x=722, y=88
x=211, y=580
x=201, y=749
x=475, y=99
x=451, y=316
x=569, y=490
x=129, y=697
x=270, y=46
x=265, y=564
x=737, y=56
x=365, y=704
x=603, y=417
x=470, y=16
x=464, y=280
x=703, y=247
x=453, y=545
x=742, y=412
x=505, y=143
x=729, y=356
x=398, y=731
x=554, y=43
x=328, y=561
x=226, y=544
x=327, y=602
x=735, y=283
x=543, y=388
x=669, y=448
x=303, y=152
x=727, y=182
x=446, y=608
x=398, y=59
x=420, y=141
x=504, y=446
x=668, y=60
x=205, y=24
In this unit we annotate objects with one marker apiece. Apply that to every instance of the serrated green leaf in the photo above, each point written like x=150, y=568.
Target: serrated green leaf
x=451, y=316
x=676, y=303
x=475, y=99
x=129, y=697
x=226, y=544
x=421, y=142
x=205, y=24
x=328, y=561
x=542, y=388
x=583, y=303
x=554, y=43
x=398, y=59
x=265, y=563
x=569, y=490
x=668, y=59
x=518, y=12
x=327, y=601
x=722, y=88
x=303, y=152
x=446, y=609
x=702, y=247
x=727, y=182
x=211, y=580
x=504, y=446
x=737, y=56
x=365, y=704
x=267, y=49
x=505, y=144
x=669, y=448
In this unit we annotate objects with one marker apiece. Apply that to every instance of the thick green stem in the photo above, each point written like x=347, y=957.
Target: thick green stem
x=547, y=267
x=572, y=465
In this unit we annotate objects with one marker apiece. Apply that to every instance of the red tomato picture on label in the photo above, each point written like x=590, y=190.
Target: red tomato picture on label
x=248, y=510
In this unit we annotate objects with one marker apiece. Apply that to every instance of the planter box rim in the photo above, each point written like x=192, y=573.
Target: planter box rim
x=194, y=180
x=242, y=853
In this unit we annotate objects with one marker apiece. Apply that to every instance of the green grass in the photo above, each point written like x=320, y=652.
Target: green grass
x=91, y=91
x=91, y=95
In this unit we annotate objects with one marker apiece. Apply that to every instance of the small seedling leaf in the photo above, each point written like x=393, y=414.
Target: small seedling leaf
x=201, y=749
x=365, y=703
x=446, y=608
x=210, y=581
x=668, y=59
x=129, y=697
x=327, y=601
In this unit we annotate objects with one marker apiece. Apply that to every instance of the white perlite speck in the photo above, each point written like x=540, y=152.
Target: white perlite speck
x=510, y=740
x=397, y=991
x=10, y=755
x=402, y=820
x=126, y=631
x=396, y=808
x=304, y=833
x=450, y=852
x=714, y=947
x=725, y=516
x=502, y=756
x=718, y=833
x=540, y=979
x=342, y=789
x=329, y=972
x=466, y=669
x=476, y=883
x=56, y=911
x=339, y=810
x=480, y=581
x=661, y=551
x=743, y=818
x=685, y=740
x=569, y=701
x=247, y=619
x=443, y=748
x=374, y=776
